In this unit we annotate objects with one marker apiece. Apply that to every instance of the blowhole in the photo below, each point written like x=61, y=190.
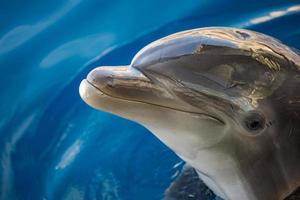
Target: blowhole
x=243, y=35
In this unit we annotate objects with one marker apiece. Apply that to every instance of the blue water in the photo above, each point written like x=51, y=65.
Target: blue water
x=52, y=145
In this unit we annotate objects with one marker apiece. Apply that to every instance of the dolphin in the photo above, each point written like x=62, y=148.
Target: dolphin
x=225, y=100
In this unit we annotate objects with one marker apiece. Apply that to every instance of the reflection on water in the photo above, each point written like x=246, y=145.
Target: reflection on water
x=69, y=155
x=84, y=47
x=52, y=145
x=23, y=33
x=275, y=14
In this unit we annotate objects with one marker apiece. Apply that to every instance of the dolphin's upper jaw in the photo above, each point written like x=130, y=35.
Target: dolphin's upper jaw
x=107, y=76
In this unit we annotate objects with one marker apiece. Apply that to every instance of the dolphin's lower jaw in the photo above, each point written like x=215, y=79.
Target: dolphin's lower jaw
x=89, y=93
x=101, y=101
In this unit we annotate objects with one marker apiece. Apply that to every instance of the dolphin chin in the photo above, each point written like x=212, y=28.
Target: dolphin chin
x=225, y=100
x=89, y=93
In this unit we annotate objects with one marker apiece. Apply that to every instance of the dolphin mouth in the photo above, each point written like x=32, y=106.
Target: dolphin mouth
x=101, y=94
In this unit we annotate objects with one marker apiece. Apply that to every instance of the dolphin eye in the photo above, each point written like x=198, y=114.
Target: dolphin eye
x=254, y=122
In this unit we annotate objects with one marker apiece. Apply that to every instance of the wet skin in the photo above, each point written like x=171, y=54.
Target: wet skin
x=227, y=101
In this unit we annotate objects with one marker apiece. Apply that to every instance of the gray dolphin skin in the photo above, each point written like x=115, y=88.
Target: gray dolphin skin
x=225, y=100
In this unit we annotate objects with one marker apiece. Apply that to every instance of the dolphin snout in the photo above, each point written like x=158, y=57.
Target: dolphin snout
x=123, y=82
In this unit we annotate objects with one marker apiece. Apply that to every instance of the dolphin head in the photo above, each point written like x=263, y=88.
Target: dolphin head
x=154, y=101
x=217, y=88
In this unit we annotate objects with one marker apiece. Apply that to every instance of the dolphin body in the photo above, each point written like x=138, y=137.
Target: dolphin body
x=225, y=100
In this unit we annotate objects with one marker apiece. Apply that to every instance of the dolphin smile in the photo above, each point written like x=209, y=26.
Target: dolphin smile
x=91, y=82
x=225, y=100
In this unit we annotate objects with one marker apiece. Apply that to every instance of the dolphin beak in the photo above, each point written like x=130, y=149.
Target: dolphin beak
x=121, y=90
x=121, y=82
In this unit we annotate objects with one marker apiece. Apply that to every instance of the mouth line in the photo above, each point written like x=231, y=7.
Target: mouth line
x=152, y=104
